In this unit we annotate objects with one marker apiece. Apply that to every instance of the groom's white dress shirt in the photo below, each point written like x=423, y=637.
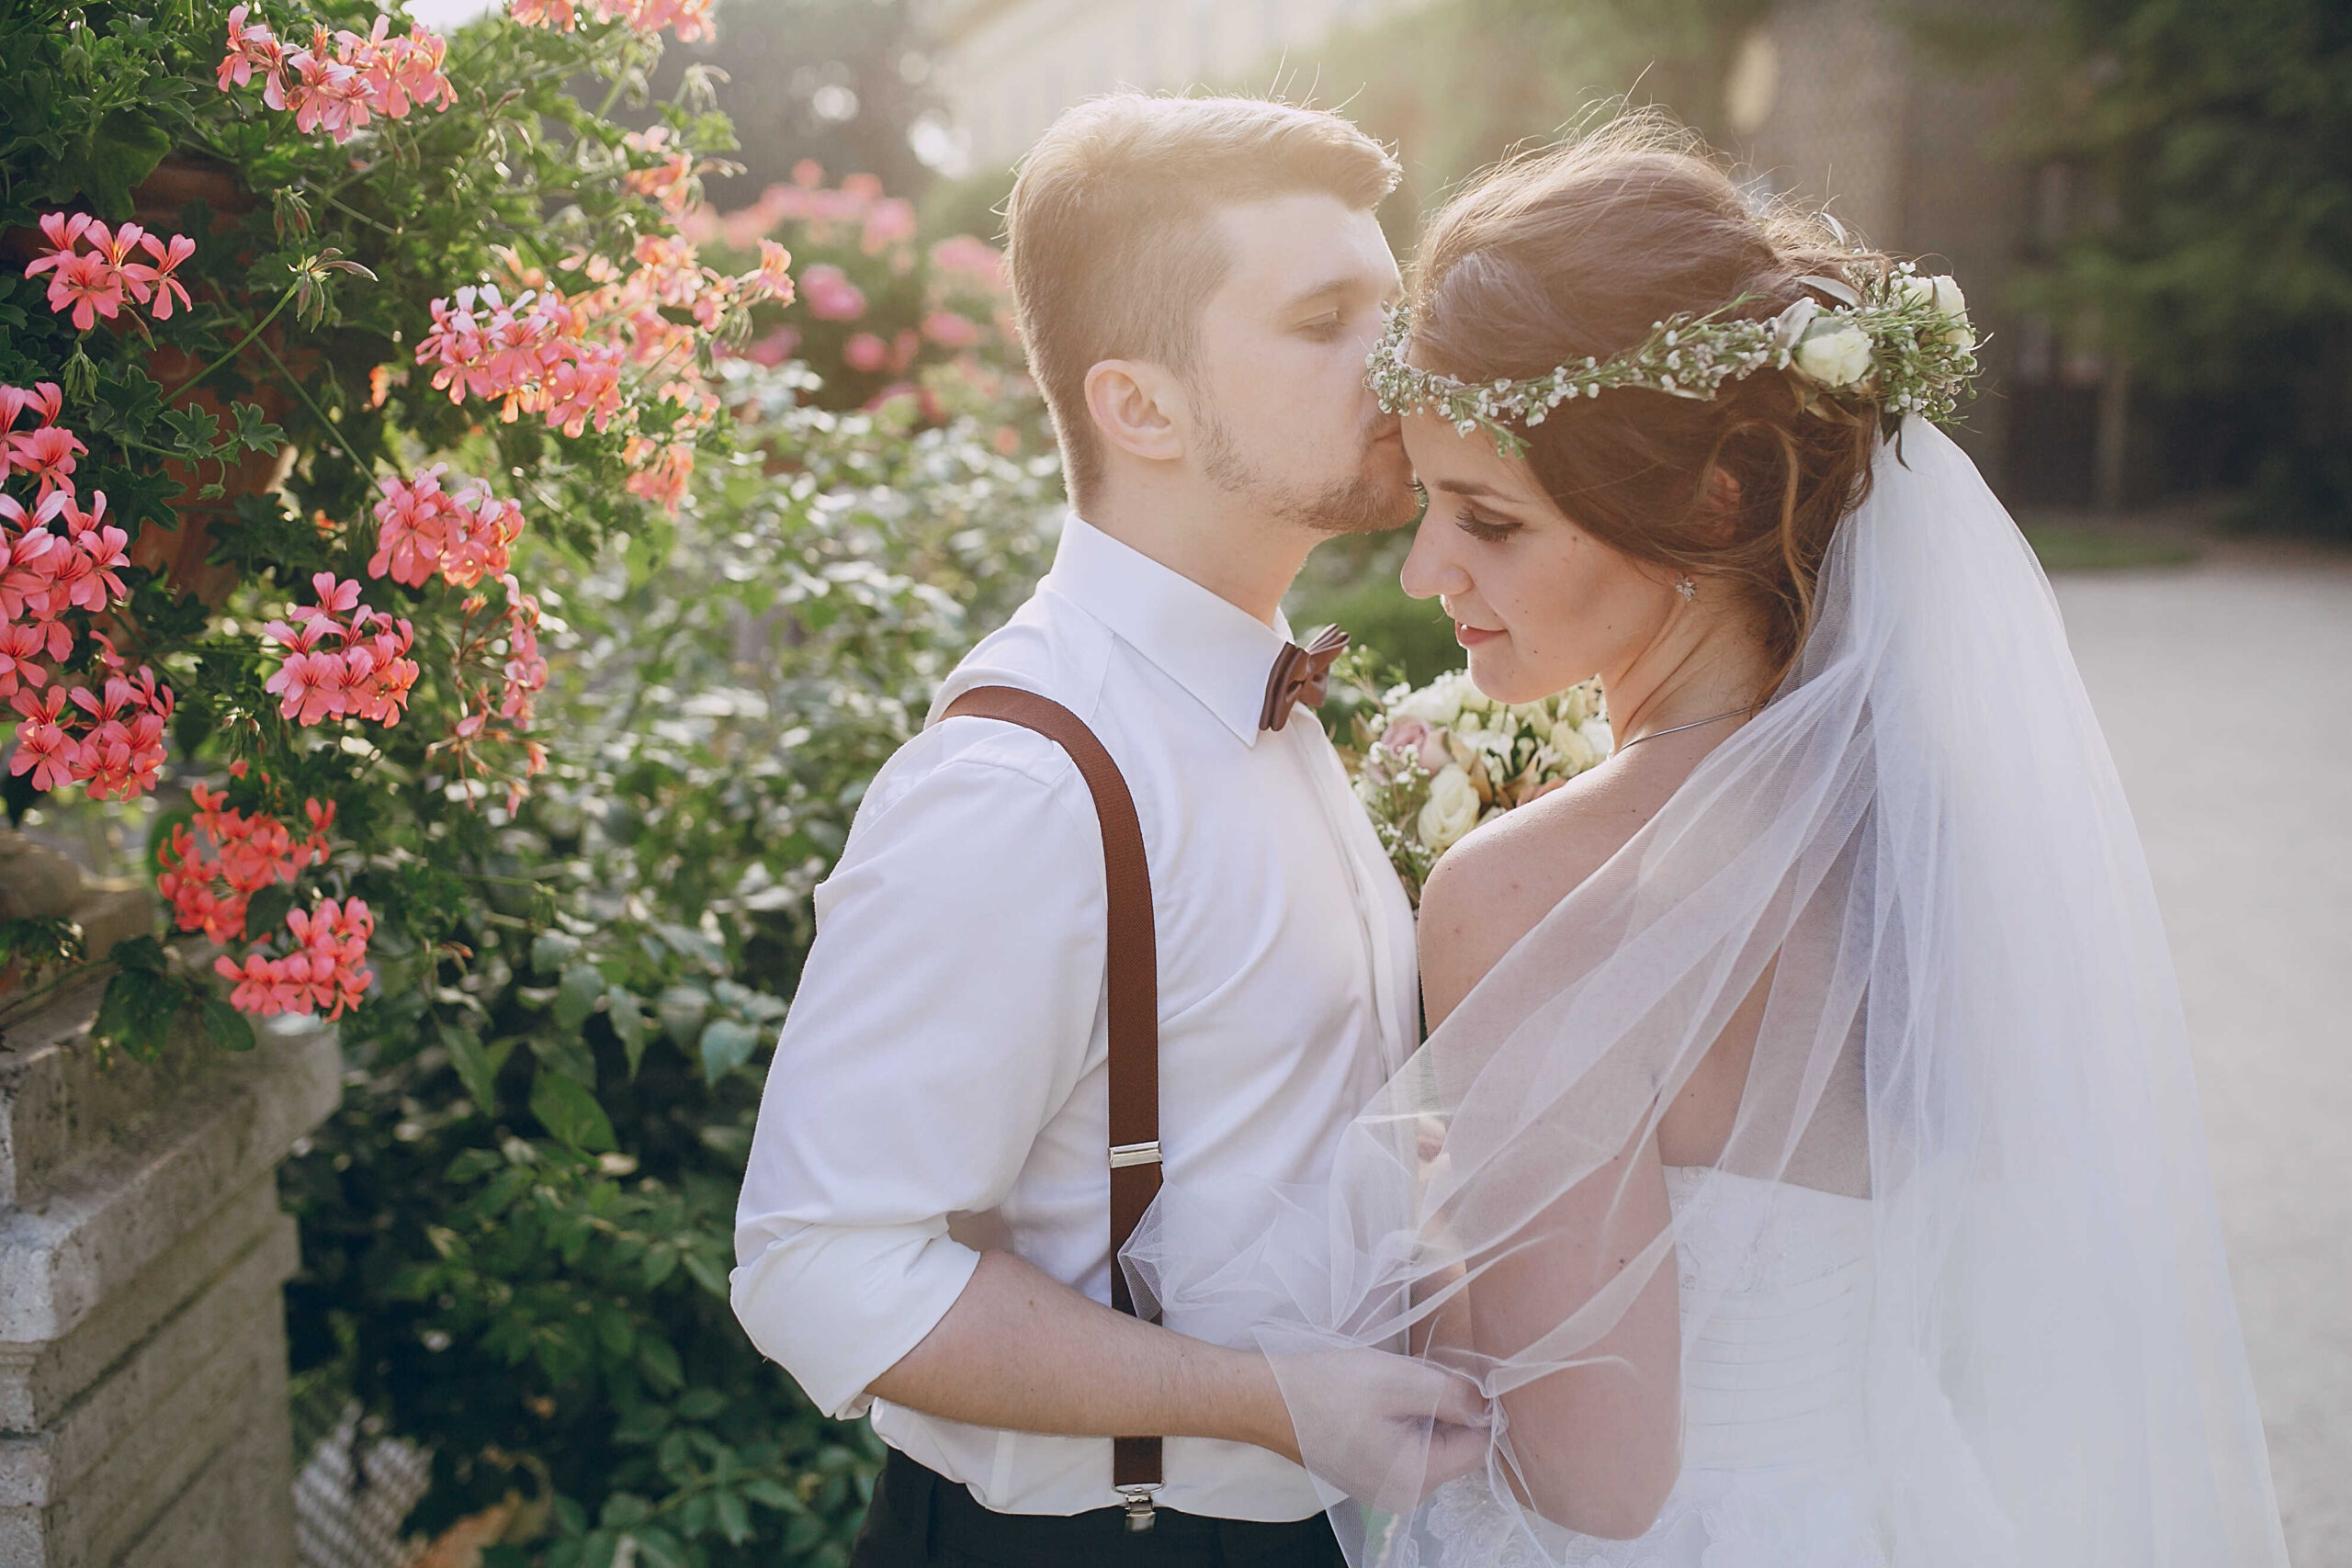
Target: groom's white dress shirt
x=940, y=1083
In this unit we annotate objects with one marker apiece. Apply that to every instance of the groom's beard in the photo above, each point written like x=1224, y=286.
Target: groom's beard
x=1363, y=502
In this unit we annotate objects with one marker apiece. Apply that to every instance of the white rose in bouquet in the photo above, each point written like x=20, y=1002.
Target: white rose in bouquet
x=1451, y=811
x=1576, y=753
x=1432, y=764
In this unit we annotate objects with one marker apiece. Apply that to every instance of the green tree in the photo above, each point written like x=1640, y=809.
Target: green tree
x=2217, y=259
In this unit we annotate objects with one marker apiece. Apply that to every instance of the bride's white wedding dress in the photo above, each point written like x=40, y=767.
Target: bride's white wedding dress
x=1775, y=1467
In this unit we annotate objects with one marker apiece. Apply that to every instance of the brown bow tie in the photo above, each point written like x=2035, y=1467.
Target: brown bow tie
x=1301, y=675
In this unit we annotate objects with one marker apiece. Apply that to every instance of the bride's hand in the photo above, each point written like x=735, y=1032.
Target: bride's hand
x=1385, y=1429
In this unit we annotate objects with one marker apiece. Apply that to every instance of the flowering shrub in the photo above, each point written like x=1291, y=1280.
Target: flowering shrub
x=244, y=576
x=878, y=316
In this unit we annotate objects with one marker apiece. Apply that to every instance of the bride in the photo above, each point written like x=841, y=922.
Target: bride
x=1804, y=1160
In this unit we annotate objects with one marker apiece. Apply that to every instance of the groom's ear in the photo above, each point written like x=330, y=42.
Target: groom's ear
x=1137, y=407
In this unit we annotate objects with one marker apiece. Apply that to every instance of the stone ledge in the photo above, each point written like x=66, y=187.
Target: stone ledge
x=143, y=1344
x=38, y=1382
x=236, y=1512
x=240, y=1389
x=113, y=1212
x=59, y=1098
x=42, y=1465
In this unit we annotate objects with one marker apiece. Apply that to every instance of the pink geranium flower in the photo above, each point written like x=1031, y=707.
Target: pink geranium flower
x=100, y=550
x=168, y=256
x=21, y=652
x=84, y=284
x=45, y=399
x=43, y=749
x=411, y=522
x=831, y=296
x=48, y=455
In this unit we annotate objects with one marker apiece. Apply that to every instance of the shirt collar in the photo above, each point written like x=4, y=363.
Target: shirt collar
x=1214, y=648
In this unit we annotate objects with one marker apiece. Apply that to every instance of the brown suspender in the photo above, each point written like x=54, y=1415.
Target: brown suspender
x=1133, y=964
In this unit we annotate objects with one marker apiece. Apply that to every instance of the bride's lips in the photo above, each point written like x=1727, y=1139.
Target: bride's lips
x=1469, y=636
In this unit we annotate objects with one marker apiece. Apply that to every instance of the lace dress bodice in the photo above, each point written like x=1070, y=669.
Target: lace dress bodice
x=1775, y=1289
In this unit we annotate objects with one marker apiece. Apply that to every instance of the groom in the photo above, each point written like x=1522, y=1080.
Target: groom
x=925, y=1223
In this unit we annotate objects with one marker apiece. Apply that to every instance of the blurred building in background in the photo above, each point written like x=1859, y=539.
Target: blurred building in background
x=1008, y=67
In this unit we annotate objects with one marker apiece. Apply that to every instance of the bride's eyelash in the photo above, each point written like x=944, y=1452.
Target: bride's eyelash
x=1482, y=529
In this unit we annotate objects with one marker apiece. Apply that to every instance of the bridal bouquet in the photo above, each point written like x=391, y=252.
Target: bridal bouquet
x=1431, y=763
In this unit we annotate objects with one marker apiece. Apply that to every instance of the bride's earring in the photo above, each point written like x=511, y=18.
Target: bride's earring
x=1687, y=589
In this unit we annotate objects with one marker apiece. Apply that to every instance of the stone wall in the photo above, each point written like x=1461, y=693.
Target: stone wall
x=143, y=1355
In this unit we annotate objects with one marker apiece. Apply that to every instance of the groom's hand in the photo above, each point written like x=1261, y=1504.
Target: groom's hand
x=1385, y=1429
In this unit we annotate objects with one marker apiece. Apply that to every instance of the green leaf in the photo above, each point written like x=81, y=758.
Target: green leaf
x=772, y=1493
x=137, y=1011
x=551, y=950
x=726, y=1044
x=253, y=431
x=700, y=1403
x=194, y=428
x=629, y=1023
x=224, y=1025
x=473, y=1165
x=707, y=1274
x=583, y=987
x=681, y=1009
x=568, y=1111
x=642, y=1424
x=734, y=1516
x=120, y=150
x=265, y=911
x=140, y=953
x=477, y=1065
x=659, y=1363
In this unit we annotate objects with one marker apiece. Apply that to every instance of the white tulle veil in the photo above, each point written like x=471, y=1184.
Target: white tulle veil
x=1972, y=1020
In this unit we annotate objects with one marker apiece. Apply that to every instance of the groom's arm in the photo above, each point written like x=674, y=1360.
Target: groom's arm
x=945, y=1014
x=1021, y=1349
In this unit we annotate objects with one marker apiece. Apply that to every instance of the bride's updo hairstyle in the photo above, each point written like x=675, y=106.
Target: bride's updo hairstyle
x=1579, y=249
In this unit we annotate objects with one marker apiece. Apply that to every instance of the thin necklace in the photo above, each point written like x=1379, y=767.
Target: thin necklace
x=1628, y=745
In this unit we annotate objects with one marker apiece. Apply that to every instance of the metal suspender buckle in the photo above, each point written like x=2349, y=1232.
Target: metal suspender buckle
x=1126, y=1154
x=1139, y=1515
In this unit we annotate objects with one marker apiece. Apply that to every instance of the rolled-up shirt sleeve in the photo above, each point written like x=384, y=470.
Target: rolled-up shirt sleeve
x=945, y=1014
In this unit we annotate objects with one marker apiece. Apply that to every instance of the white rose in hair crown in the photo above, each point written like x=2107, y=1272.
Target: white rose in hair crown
x=1430, y=763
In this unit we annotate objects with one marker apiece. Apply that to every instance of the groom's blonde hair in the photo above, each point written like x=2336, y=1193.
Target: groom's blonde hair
x=1110, y=234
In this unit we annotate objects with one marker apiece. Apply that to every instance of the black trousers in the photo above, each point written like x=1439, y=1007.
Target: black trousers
x=921, y=1520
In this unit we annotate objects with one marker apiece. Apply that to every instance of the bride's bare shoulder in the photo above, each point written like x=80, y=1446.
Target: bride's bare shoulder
x=1492, y=888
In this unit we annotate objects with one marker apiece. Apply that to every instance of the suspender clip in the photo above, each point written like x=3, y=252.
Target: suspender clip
x=1139, y=1514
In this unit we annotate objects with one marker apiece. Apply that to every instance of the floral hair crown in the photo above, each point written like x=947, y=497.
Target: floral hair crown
x=1902, y=342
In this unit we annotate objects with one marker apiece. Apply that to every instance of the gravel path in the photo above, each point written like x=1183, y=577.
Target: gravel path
x=2226, y=690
